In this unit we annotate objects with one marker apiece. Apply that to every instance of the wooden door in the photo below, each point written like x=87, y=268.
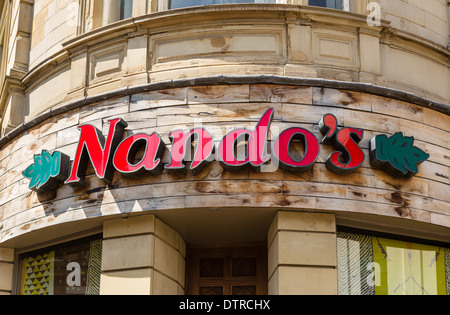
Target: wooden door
x=232, y=269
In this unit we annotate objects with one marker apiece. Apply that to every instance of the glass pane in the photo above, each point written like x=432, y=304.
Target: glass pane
x=408, y=269
x=355, y=264
x=211, y=267
x=333, y=4
x=211, y=291
x=374, y=265
x=244, y=290
x=71, y=264
x=318, y=3
x=72, y=269
x=244, y=267
x=175, y=4
x=126, y=9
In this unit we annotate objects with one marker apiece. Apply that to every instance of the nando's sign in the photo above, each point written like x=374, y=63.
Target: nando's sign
x=143, y=153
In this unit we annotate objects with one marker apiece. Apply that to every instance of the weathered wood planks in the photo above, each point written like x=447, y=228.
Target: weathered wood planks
x=220, y=108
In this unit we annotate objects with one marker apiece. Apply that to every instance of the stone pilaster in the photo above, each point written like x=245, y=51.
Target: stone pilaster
x=142, y=255
x=6, y=270
x=302, y=254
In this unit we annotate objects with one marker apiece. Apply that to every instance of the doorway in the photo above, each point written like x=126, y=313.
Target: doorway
x=227, y=269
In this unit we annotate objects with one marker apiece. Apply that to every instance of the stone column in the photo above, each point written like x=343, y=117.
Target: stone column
x=302, y=254
x=6, y=270
x=142, y=255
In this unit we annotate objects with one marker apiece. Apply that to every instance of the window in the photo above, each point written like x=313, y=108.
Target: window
x=109, y=11
x=116, y=10
x=4, y=26
x=227, y=270
x=176, y=4
x=370, y=265
x=333, y=4
x=70, y=269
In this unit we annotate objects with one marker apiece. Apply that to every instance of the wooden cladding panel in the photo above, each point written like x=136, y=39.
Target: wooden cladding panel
x=219, y=109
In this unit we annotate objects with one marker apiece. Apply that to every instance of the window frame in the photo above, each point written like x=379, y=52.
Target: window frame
x=164, y=5
x=348, y=5
x=92, y=14
x=111, y=12
x=396, y=237
x=5, y=17
x=29, y=252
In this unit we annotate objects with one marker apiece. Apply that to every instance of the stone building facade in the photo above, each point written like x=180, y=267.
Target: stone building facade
x=155, y=88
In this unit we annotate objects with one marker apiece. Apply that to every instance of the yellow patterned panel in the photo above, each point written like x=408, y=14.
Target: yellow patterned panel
x=405, y=268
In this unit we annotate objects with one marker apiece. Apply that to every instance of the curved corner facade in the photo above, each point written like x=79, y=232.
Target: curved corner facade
x=191, y=147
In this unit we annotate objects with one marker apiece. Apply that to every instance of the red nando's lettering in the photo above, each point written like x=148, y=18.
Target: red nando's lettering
x=154, y=149
x=93, y=145
x=181, y=144
x=143, y=153
x=112, y=153
x=349, y=155
x=256, y=154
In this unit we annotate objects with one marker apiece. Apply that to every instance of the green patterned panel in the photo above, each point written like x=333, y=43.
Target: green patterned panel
x=95, y=268
x=355, y=264
x=38, y=274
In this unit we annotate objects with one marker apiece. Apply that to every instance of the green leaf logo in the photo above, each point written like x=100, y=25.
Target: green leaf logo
x=48, y=171
x=396, y=155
